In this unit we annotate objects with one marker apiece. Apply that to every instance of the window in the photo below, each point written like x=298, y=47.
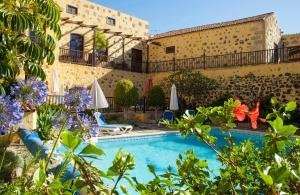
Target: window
x=170, y=49
x=111, y=21
x=76, y=45
x=72, y=10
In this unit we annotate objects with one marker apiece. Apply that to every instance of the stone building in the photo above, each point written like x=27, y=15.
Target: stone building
x=132, y=53
x=255, y=33
x=81, y=19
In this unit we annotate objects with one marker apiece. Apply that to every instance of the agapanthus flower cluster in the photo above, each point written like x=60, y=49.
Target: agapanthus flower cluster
x=30, y=92
x=81, y=120
x=78, y=99
x=63, y=120
x=72, y=122
x=94, y=130
x=11, y=114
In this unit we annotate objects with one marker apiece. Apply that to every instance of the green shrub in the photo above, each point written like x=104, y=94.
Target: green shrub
x=220, y=100
x=190, y=85
x=46, y=114
x=125, y=94
x=156, y=98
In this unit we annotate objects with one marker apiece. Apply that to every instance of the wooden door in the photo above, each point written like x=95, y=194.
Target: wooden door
x=136, y=60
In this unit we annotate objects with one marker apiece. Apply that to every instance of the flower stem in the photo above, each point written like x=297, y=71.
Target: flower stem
x=53, y=148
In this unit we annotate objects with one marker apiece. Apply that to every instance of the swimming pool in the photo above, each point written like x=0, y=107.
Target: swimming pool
x=162, y=151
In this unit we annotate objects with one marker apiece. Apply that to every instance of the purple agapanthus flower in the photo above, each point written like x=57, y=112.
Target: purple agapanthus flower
x=63, y=120
x=30, y=92
x=93, y=132
x=78, y=99
x=11, y=113
x=81, y=120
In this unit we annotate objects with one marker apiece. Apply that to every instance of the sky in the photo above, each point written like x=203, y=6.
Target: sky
x=166, y=15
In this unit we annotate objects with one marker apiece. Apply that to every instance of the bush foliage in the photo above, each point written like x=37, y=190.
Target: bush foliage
x=156, y=97
x=125, y=94
x=190, y=85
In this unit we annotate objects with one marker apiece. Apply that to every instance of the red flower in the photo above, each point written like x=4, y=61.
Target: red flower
x=240, y=111
x=253, y=115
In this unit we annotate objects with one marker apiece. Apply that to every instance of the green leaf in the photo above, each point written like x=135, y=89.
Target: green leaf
x=291, y=106
x=70, y=140
x=267, y=178
x=151, y=169
x=124, y=190
x=287, y=130
x=273, y=101
x=92, y=149
x=277, y=123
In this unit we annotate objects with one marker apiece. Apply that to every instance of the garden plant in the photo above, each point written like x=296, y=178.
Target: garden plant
x=125, y=95
x=272, y=167
x=156, y=98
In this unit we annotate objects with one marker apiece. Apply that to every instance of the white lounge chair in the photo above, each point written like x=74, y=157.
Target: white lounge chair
x=125, y=128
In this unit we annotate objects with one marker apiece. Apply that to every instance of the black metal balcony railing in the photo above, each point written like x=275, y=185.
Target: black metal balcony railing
x=271, y=56
x=86, y=58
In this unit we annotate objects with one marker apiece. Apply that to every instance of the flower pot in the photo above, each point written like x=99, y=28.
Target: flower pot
x=29, y=120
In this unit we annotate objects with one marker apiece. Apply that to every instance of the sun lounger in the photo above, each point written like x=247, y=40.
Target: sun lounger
x=167, y=116
x=125, y=128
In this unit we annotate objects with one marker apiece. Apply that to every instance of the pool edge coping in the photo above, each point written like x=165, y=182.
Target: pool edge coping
x=168, y=132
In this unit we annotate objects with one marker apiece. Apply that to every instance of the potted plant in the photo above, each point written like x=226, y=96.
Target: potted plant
x=156, y=98
x=125, y=95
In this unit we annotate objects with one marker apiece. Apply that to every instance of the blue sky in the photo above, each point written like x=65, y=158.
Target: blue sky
x=166, y=15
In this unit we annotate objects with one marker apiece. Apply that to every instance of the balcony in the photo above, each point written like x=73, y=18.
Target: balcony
x=89, y=59
x=271, y=56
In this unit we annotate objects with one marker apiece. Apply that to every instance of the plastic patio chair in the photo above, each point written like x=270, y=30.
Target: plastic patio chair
x=125, y=128
x=190, y=112
x=168, y=116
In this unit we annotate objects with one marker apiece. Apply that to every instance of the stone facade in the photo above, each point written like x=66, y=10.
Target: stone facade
x=244, y=35
x=94, y=14
x=251, y=83
x=77, y=75
x=291, y=40
x=272, y=32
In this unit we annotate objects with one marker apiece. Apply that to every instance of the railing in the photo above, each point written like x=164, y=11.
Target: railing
x=141, y=106
x=271, y=56
x=87, y=58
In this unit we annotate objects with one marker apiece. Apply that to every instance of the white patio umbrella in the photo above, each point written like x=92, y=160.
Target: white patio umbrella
x=99, y=100
x=55, y=89
x=174, y=100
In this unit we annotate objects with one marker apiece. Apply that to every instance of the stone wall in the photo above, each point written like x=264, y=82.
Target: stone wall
x=94, y=14
x=292, y=40
x=251, y=83
x=235, y=38
x=273, y=32
x=79, y=75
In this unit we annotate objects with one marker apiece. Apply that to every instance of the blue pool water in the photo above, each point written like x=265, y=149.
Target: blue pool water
x=162, y=151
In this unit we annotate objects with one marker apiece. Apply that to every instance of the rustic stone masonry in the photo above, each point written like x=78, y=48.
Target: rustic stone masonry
x=250, y=88
x=248, y=34
x=250, y=83
x=291, y=39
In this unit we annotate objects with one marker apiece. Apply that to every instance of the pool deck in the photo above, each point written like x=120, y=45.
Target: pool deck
x=150, y=130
